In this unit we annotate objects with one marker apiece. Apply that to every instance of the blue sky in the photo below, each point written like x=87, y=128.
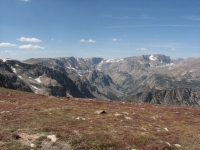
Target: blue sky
x=99, y=28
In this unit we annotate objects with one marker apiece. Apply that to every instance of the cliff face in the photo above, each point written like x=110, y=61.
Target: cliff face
x=178, y=96
x=9, y=79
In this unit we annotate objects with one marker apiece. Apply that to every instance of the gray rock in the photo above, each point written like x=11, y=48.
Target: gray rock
x=178, y=96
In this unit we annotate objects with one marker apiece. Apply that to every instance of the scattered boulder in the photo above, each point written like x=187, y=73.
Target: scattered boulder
x=52, y=138
x=166, y=129
x=16, y=136
x=32, y=145
x=100, y=112
x=68, y=97
x=129, y=118
x=177, y=145
x=117, y=114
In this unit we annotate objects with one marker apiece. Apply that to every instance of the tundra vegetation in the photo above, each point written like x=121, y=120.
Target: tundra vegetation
x=33, y=121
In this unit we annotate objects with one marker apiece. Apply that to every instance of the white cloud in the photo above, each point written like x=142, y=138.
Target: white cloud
x=195, y=18
x=52, y=39
x=141, y=49
x=32, y=40
x=151, y=25
x=82, y=40
x=7, y=44
x=91, y=41
x=7, y=51
x=115, y=39
x=173, y=49
x=29, y=46
x=25, y=0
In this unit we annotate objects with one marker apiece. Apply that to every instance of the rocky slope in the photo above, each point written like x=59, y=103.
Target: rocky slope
x=9, y=79
x=105, y=85
x=115, y=79
x=84, y=73
x=178, y=96
x=129, y=75
x=40, y=79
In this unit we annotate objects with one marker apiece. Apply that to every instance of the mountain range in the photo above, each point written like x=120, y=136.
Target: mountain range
x=129, y=78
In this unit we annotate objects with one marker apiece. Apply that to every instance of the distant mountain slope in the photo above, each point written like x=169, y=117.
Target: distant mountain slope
x=84, y=73
x=178, y=96
x=42, y=80
x=9, y=79
x=105, y=85
x=114, y=79
x=128, y=75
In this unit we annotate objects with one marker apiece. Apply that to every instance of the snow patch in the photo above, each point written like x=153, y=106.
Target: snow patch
x=35, y=87
x=79, y=74
x=109, y=60
x=166, y=65
x=118, y=60
x=171, y=64
x=20, y=76
x=3, y=59
x=113, y=60
x=152, y=57
x=13, y=69
x=140, y=62
x=38, y=79
x=70, y=67
x=100, y=64
x=79, y=62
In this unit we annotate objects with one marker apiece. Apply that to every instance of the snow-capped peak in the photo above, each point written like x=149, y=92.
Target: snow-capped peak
x=3, y=59
x=152, y=57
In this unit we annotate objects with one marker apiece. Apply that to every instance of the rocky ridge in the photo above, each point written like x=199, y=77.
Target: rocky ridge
x=120, y=79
